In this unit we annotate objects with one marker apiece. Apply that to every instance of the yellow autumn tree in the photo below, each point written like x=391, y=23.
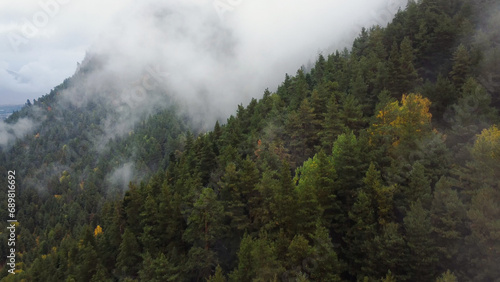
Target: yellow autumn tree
x=486, y=152
x=405, y=120
x=97, y=230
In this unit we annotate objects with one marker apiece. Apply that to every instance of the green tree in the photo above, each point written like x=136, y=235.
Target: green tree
x=423, y=257
x=408, y=76
x=205, y=221
x=360, y=237
x=392, y=253
x=328, y=267
x=333, y=124
x=417, y=189
x=128, y=259
x=461, y=66
x=448, y=218
x=204, y=228
x=218, y=275
x=283, y=203
x=349, y=168
x=448, y=276
x=158, y=269
x=483, y=242
x=471, y=114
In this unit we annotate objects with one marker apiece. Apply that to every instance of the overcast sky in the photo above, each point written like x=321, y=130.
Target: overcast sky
x=42, y=41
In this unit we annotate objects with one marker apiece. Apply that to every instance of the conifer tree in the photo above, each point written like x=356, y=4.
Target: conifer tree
x=360, y=236
x=418, y=235
x=128, y=260
x=392, y=253
x=461, y=66
x=408, y=76
x=448, y=218
x=333, y=124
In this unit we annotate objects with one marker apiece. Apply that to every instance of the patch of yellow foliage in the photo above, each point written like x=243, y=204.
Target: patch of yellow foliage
x=487, y=145
x=97, y=230
x=404, y=120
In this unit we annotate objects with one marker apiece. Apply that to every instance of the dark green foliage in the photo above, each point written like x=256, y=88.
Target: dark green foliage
x=387, y=186
x=128, y=259
x=418, y=230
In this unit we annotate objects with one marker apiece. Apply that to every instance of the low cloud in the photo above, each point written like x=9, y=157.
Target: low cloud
x=209, y=61
x=121, y=176
x=10, y=132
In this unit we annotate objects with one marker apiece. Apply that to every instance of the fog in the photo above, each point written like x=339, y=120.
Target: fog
x=210, y=57
x=207, y=56
x=10, y=132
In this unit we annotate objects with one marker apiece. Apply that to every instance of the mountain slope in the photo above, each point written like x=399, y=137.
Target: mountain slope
x=379, y=162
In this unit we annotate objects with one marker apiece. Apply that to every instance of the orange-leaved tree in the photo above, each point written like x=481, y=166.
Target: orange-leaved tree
x=404, y=121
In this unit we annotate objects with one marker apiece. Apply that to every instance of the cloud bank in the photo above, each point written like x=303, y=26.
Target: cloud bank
x=207, y=55
x=210, y=57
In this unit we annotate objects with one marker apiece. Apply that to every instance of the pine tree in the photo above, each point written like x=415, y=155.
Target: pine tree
x=218, y=275
x=418, y=189
x=149, y=219
x=472, y=113
x=128, y=259
x=381, y=196
x=233, y=198
x=408, y=76
x=328, y=267
x=360, y=236
x=483, y=243
x=205, y=221
x=333, y=124
x=423, y=257
x=352, y=113
x=448, y=218
x=326, y=188
x=296, y=258
x=448, y=276
x=283, y=203
x=394, y=66
x=391, y=253
x=303, y=133
x=257, y=260
x=349, y=168
x=158, y=269
x=461, y=66
x=205, y=228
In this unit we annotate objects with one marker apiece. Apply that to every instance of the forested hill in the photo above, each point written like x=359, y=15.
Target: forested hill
x=381, y=163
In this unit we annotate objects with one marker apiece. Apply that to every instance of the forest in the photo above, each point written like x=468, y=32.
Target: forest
x=379, y=163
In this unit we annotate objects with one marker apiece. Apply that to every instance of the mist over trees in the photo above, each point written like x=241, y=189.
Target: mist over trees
x=380, y=163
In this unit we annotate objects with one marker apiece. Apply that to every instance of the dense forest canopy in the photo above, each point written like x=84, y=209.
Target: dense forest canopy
x=380, y=163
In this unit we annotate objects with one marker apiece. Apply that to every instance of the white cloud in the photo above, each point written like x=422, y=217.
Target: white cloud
x=251, y=49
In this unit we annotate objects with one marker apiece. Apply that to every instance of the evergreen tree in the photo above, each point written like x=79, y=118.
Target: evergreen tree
x=483, y=244
x=360, y=237
x=391, y=253
x=158, y=269
x=418, y=189
x=283, y=203
x=418, y=235
x=448, y=276
x=352, y=113
x=128, y=259
x=327, y=266
x=205, y=227
x=408, y=76
x=461, y=66
x=448, y=218
x=349, y=167
x=218, y=275
x=332, y=125
x=472, y=113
